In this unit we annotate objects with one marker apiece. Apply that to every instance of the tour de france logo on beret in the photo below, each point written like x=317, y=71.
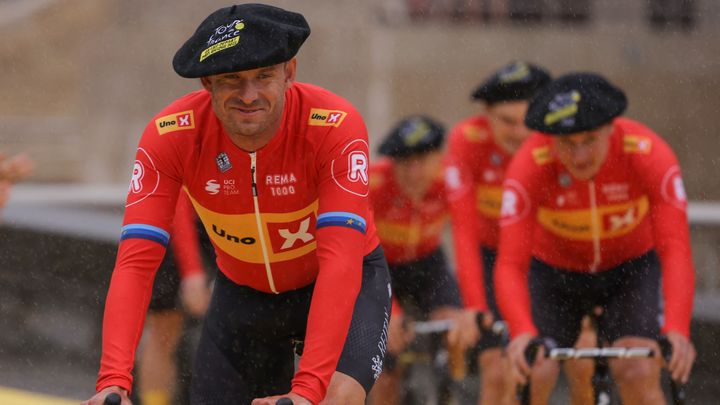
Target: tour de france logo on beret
x=563, y=107
x=515, y=73
x=415, y=132
x=223, y=37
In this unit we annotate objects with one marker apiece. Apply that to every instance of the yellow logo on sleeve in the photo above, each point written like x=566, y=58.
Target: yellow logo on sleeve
x=542, y=155
x=637, y=144
x=475, y=134
x=175, y=122
x=326, y=118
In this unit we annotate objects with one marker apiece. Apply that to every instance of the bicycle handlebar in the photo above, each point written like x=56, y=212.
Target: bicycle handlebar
x=112, y=399
x=567, y=353
x=444, y=325
x=284, y=401
x=554, y=353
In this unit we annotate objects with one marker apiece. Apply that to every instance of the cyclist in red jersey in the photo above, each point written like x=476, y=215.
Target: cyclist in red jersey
x=278, y=173
x=480, y=148
x=594, y=215
x=408, y=198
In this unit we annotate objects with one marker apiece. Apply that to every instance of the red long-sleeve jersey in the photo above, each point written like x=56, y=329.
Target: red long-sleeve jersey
x=636, y=202
x=292, y=213
x=474, y=169
x=408, y=230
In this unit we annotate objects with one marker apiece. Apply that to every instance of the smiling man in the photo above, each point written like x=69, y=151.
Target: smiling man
x=277, y=171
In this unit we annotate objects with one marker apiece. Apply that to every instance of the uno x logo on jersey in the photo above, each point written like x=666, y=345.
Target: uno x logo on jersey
x=614, y=220
x=287, y=235
x=326, y=118
x=175, y=122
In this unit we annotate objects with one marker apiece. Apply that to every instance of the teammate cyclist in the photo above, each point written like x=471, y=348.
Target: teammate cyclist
x=278, y=172
x=594, y=214
x=408, y=198
x=480, y=149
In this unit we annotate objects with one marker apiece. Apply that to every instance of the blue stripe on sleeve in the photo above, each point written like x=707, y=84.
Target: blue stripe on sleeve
x=142, y=231
x=345, y=219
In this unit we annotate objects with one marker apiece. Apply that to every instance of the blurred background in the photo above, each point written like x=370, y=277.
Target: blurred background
x=81, y=79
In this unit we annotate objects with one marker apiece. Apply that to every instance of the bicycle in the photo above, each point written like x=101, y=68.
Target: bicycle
x=601, y=381
x=428, y=359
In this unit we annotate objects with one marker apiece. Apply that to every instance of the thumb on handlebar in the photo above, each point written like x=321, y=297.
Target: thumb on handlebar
x=112, y=399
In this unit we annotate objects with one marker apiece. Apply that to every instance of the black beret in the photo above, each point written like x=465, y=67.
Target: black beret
x=413, y=136
x=241, y=37
x=574, y=103
x=516, y=81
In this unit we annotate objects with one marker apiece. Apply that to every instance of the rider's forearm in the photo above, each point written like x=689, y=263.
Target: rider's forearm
x=331, y=309
x=678, y=274
x=467, y=252
x=125, y=309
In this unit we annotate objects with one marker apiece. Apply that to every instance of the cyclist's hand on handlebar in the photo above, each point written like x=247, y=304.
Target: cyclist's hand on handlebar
x=297, y=399
x=683, y=357
x=99, y=398
x=516, y=354
x=464, y=332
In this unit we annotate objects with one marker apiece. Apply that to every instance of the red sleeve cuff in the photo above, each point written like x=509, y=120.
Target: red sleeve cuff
x=121, y=382
x=307, y=394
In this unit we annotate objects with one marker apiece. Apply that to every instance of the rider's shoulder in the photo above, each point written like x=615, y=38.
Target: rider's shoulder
x=323, y=117
x=183, y=115
x=322, y=107
x=536, y=151
x=639, y=142
x=472, y=130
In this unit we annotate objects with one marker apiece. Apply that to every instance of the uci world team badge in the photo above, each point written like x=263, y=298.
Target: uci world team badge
x=565, y=180
x=223, y=162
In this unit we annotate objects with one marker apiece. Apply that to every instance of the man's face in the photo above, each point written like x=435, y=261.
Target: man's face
x=250, y=103
x=583, y=153
x=507, y=120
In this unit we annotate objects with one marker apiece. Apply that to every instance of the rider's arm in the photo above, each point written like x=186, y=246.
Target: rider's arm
x=668, y=212
x=341, y=225
x=185, y=241
x=460, y=188
x=145, y=235
x=517, y=224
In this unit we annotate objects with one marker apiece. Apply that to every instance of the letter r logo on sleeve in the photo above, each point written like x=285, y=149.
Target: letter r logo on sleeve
x=515, y=202
x=137, y=175
x=349, y=170
x=509, y=204
x=358, y=163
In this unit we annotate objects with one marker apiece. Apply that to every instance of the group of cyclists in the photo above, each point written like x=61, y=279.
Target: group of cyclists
x=559, y=207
